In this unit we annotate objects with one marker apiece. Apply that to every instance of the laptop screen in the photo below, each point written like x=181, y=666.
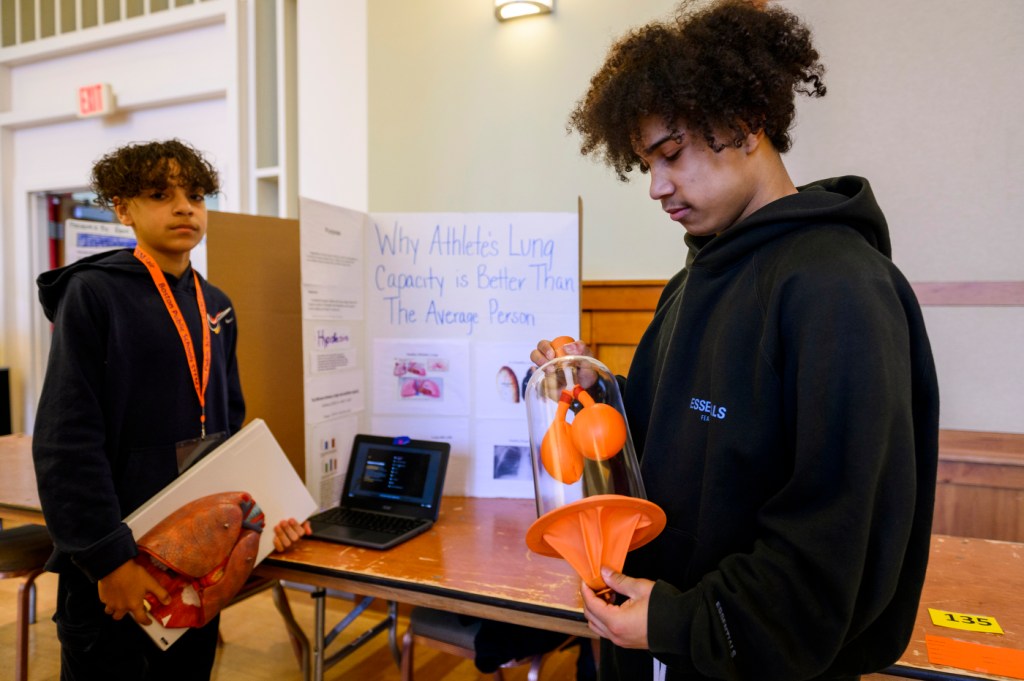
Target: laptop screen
x=396, y=473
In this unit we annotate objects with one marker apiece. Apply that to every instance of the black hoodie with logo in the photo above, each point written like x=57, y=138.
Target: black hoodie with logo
x=784, y=405
x=117, y=398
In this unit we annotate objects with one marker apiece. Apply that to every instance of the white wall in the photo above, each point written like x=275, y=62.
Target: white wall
x=924, y=99
x=467, y=114
x=332, y=91
x=406, y=105
x=167, y=85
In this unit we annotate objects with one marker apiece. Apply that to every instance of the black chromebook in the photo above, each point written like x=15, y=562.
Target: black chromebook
x=392, y=492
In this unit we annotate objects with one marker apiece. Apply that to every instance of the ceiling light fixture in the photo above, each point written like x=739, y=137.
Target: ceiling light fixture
x=512, y=9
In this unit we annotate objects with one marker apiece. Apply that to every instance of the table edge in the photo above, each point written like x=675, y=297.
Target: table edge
x=430, y=590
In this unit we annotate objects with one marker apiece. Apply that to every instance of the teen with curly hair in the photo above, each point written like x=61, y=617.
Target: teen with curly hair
x=128, y=399
x=783, y=401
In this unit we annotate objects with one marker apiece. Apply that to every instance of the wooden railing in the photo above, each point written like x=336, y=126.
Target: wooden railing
x=980, y=491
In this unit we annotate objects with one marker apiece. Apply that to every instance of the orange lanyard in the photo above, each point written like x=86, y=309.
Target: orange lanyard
x=186, y=338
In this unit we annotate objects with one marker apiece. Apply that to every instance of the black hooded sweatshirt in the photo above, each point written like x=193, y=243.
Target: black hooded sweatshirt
x=117, y=398
x=784, y=405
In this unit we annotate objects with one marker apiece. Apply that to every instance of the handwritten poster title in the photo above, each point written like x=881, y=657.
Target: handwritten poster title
x=469, y=275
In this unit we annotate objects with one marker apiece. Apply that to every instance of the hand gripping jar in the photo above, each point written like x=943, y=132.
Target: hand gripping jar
x=591, y=504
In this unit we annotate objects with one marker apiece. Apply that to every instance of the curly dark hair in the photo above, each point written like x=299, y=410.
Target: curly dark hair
x=128, y=171
x=729, y=68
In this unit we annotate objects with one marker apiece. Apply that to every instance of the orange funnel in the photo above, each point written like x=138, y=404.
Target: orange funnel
x=596, y=531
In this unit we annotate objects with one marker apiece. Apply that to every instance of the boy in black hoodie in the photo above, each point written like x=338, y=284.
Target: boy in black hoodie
x=783, y=401
x=141, y=374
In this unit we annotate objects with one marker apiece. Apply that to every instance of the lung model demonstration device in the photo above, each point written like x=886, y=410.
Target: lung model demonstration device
x=591, y=504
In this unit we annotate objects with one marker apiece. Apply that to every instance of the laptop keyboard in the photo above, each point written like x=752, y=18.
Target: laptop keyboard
x=376, y=522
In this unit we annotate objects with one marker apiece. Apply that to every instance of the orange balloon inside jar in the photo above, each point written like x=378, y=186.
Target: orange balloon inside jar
x=560, y=457
x=598, y=430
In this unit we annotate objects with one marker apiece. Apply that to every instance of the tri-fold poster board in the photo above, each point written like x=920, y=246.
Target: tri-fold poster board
x=395, y=324
x=415, y=324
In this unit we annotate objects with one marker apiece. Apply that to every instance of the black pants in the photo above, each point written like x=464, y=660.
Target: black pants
x=95, y=646
x=620, y=664
x=496, y=643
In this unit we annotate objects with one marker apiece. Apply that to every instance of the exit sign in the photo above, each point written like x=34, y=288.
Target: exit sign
x=95, y=100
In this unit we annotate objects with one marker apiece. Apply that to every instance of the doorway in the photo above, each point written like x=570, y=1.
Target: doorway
x=68, y=225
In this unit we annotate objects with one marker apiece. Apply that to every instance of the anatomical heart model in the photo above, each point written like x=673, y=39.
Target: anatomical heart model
x=591, y=504
x=202, y=554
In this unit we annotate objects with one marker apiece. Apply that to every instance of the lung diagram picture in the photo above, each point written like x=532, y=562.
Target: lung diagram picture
x=507, y=385
x=512, y=462
x=420, y=378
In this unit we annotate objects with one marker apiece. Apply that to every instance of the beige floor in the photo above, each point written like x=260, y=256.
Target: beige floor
x=256, y=644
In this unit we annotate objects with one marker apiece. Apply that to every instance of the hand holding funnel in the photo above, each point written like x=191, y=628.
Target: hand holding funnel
x=591, y=504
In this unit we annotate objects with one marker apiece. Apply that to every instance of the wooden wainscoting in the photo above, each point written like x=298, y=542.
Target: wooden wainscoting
x=613, y=316
x=980, y=491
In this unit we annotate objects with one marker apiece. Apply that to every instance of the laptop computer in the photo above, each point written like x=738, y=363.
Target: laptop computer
x=392, y=492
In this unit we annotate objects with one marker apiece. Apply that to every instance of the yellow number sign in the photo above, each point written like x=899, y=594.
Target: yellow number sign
x=959, y=620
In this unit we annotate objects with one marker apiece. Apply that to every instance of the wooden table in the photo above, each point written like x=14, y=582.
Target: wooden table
x=969, y=576
x=19, y=498
x=474, y=561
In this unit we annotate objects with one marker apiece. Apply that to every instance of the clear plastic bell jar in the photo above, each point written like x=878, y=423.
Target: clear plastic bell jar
x=579, y=436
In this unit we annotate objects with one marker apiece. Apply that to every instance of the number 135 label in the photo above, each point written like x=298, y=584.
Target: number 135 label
x=958, y=620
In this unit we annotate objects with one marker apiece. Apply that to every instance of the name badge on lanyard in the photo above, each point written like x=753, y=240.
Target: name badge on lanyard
x=191, y=451
x=200, y=381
